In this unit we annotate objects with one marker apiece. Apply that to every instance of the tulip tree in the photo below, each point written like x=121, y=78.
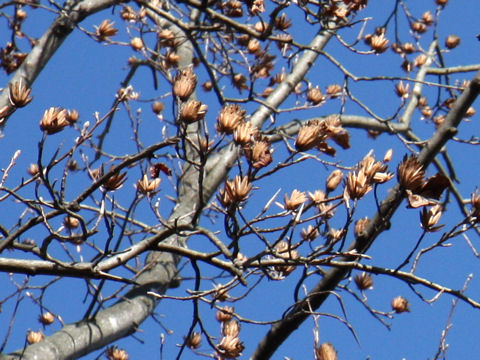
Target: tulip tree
x=257, y=173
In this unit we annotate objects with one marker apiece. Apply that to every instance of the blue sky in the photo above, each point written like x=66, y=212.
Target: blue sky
x=85, y=75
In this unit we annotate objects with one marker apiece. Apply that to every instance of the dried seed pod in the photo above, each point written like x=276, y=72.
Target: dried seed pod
x=114, y=353
x=231, y=328
x=105, y=30
x=19, y=94
x=326, y=351
x=293, y=201
x=378, y=43
x=315, y=96
x=235, y=191
x=452, y=41
x=363, y=281
x=334, y=179
x=310, y=233
x=146, y=186
x=225, y=314
x=184, y=83
x=410, y=173
x=136, y=43
x=34, y=337
x=400, y=305
x=360, y=225
x=259, y=154
x=46, y=318
x=194, y=340
x=429, y=218
x=193, y=111
x=71, y=222
x=54, y=120
x=229, y=118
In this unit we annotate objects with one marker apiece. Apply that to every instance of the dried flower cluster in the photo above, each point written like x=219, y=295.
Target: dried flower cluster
x=295, y=199
x=229, y=118
x=34, y=337
x=364, y=281
x=368, y=172
x=192, y=111
x=147, y=186
x=316, y=132
x=105, y=30
x=400, y=305
x=19, y=94
x=114, y=353
x=326, y=351
x=285, y=251
x=194, y=341
x=235, y=191
x=184, y=83
x=55, y=120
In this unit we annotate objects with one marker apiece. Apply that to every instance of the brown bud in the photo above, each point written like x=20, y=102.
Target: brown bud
x=402, y=90
x=34, y=337
x=308, y=136
x=244, y=133
x=254, y=46
x=470, y=112
x=157, y=107
x=46, y=318
x=427, y=18
x=418, y=27
x=326, y=351
x=231, y=347
x=408, y=48
x=310, y=233
x=282, y=23
x=225, y=314
x=426, y=111
x=334, y=180
x=334, y=90
x=220, y=293
x=420, y=60
x=207, y=86
x=315, y=96
x=388, y=155
x=71, y=222
x=284, y=251
x=400, y=305
x=33, y=169
x=136, y=43
x=231, y=328
x=361, y=225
